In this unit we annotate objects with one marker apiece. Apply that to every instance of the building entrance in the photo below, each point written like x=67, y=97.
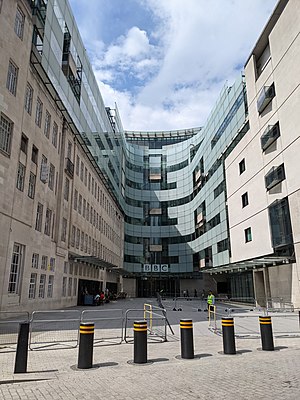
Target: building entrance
x=149, y=286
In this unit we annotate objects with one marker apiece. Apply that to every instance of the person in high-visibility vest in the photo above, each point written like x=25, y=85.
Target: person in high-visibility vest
x=210, y=299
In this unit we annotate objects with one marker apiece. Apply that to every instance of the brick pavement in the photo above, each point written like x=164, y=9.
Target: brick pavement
x=252, y=374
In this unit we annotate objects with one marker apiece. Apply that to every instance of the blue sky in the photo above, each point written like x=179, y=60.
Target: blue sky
x=164, y=62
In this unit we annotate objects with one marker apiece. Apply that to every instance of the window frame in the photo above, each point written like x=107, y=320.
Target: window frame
x=12, y=77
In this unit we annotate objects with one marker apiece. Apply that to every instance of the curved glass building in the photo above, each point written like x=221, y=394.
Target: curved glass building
x=175, y=205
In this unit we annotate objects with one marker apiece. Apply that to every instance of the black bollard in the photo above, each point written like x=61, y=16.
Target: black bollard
x=22, y=349
x=266, y=333
x=228, y=335
x=86, y=342
x=140, y=342
x=187, y=341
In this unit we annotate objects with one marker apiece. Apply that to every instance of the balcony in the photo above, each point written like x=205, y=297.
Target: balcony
x=69, y=168
x=270, y=135
x=274, y=176
x=265, y=97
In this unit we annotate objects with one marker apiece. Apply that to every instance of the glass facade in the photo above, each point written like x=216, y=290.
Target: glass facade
x=169, y=184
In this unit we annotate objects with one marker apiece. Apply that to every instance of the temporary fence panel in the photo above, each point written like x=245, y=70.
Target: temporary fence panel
x=9, y=328
x=283, y=325
x=215, y=315
x=156, y=319
x=58, y=328
x=108, y=325
x=189, y=304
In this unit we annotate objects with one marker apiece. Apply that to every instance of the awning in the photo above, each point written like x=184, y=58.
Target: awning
x=241, y=266
x=95, y=261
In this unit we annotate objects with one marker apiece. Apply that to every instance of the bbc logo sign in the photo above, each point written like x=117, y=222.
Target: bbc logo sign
x=155, y=268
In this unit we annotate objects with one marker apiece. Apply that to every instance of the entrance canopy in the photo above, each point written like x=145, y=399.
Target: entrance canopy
x=260, y=262
x=96, y=262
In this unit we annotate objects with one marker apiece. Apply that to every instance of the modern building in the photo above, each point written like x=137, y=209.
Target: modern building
x=86, y=205
x=262, y=173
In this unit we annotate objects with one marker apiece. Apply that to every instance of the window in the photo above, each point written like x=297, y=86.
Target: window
x=280, y=223
x=34, y=154
x=32, y=286
x=83, y=208
x=82, y=241
x=219, y=189
x=67, y=188
x=245, y=200
x=31, y=185
x=12, y=78
x=39, y=217
x=35, y=261
x=64, y=287
x=47, y=124
x=44, y=169
x=15, y=268
x=77, y=238
x=42, y=286
x=21, y=177
x=77, y=165
x=48, y=222
x=75, y=199
x=50, y=286
x=44, y=263
x=6, y=128
x=248, y=235
x=51, y=176
x=222, y=245
x=24, y=143
x=274, y=176
x=242, y=166
x=70, y=287
x=73, y=234
x=81, y=171
x=54, y=134
x=75, y=287
x=69, y=150
x=19, y=23
x=52, y=264
x=64, y=230
x=265, y=97
x=270, y=135
x=79, y=204
x=28, y=99
x=263, y=60
x=39, y=112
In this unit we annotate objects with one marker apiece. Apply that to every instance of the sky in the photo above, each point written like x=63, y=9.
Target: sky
x=164, y=62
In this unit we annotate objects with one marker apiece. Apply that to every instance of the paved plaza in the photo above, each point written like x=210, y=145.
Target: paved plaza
x=250, y=374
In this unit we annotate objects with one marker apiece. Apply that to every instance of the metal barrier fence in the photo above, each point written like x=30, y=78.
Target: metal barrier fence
x=54, y=328
x=190, y=303
x=9, y=328
x=284, y=325
x=104, y=320
x=157, y=320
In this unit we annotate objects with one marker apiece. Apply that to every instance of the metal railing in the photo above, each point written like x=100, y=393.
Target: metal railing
x=108, y=325
x=158, y=331
x=9, y=328
x=54, y=328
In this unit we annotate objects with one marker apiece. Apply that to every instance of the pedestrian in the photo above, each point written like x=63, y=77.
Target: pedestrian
x=195, y=293
x=210, y=300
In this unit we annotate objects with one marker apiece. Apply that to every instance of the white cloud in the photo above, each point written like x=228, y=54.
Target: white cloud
x=177, y=67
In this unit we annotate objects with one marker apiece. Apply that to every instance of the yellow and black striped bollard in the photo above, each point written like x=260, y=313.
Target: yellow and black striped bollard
x=187, y=340
x=140, y=342
x=266, y=333
x=228, y=335
x=86, y=342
